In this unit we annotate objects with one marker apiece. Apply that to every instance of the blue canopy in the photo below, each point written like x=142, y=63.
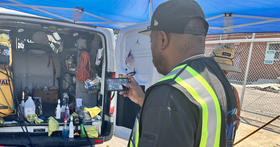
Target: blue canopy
x=224, y=16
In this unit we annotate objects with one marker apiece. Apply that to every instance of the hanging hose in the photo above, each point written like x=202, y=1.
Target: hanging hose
x=84, y=69
x=256, y=130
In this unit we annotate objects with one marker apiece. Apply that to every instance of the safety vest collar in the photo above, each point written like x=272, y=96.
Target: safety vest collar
x=175, y=71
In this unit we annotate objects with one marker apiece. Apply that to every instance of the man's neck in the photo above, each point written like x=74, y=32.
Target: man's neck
x=182, y=59
x=192, y=57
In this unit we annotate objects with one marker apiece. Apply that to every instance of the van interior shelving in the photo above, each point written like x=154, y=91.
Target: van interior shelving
x=45, y=60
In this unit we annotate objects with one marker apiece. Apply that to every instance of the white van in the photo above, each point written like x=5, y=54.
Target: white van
x=46, y=57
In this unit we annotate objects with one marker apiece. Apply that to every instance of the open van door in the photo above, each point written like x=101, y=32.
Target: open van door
x=133, y=57
x=46, y=54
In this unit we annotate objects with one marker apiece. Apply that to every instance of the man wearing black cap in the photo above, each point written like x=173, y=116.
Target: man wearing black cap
x=194, y=104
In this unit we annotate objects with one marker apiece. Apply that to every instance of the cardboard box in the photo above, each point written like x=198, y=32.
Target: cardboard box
x=49, y=96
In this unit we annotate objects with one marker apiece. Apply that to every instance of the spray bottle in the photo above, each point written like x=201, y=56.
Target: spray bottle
x=65, y=131
x=58, y=110
x=83, y=135
x=71, y=128
x=65, y=100
x=67, y=111
x=22, y=104
x=62, y=110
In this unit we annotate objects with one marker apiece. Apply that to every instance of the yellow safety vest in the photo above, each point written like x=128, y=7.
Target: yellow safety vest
x=203, y=93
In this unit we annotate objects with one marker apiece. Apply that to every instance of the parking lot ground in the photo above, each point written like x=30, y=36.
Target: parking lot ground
x=262, y=138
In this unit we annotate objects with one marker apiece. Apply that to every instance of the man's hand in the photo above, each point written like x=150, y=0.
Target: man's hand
x=135, y=93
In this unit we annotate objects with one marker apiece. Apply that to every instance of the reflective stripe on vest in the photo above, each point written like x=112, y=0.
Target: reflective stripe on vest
x=133, y=141
x=203, y=93
x=173, y=73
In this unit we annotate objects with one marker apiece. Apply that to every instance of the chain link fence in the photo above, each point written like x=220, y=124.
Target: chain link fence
x=261, y=101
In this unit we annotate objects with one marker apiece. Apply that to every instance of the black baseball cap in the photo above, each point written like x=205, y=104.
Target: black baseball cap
x=179, y=16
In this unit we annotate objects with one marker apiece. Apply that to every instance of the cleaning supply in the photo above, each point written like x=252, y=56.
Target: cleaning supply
x=29, y=107
x=76, y=122
x=2, y=121
x=53, y=126
x=65, y=131
x=83, y=134
x=65, y=97
x=65, y=100
x=67, y=112
x=62, y=110
x=74, y=114
x=22, y=104
x=38, y=106
x=79, y=102
x=71, y=128
x=34, y=118
x=94, y=111
x=93, y=85
x=58, y=110
x=92, y=132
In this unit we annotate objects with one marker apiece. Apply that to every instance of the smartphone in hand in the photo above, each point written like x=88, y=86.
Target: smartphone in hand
x=117, y=84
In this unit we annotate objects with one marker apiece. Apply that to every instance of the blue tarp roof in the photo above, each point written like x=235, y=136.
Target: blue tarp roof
x=242, y=16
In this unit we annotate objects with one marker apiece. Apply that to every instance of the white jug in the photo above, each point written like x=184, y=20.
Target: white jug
x=29, y=107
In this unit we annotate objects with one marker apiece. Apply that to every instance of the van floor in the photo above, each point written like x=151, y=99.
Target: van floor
x=44, y=140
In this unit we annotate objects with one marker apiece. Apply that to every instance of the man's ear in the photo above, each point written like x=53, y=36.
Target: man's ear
x=164, y=39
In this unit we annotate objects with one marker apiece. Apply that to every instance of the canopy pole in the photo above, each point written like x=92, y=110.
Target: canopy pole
x=58, y=8
x=214, y=17
x=255, y=17
x=247, y=69
x=43, y=11
x=35, y=6
x=246, y=24
x=95, y=22
x=244, y=40
x=253, y=23
x=150, y=9
x=90, y=14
